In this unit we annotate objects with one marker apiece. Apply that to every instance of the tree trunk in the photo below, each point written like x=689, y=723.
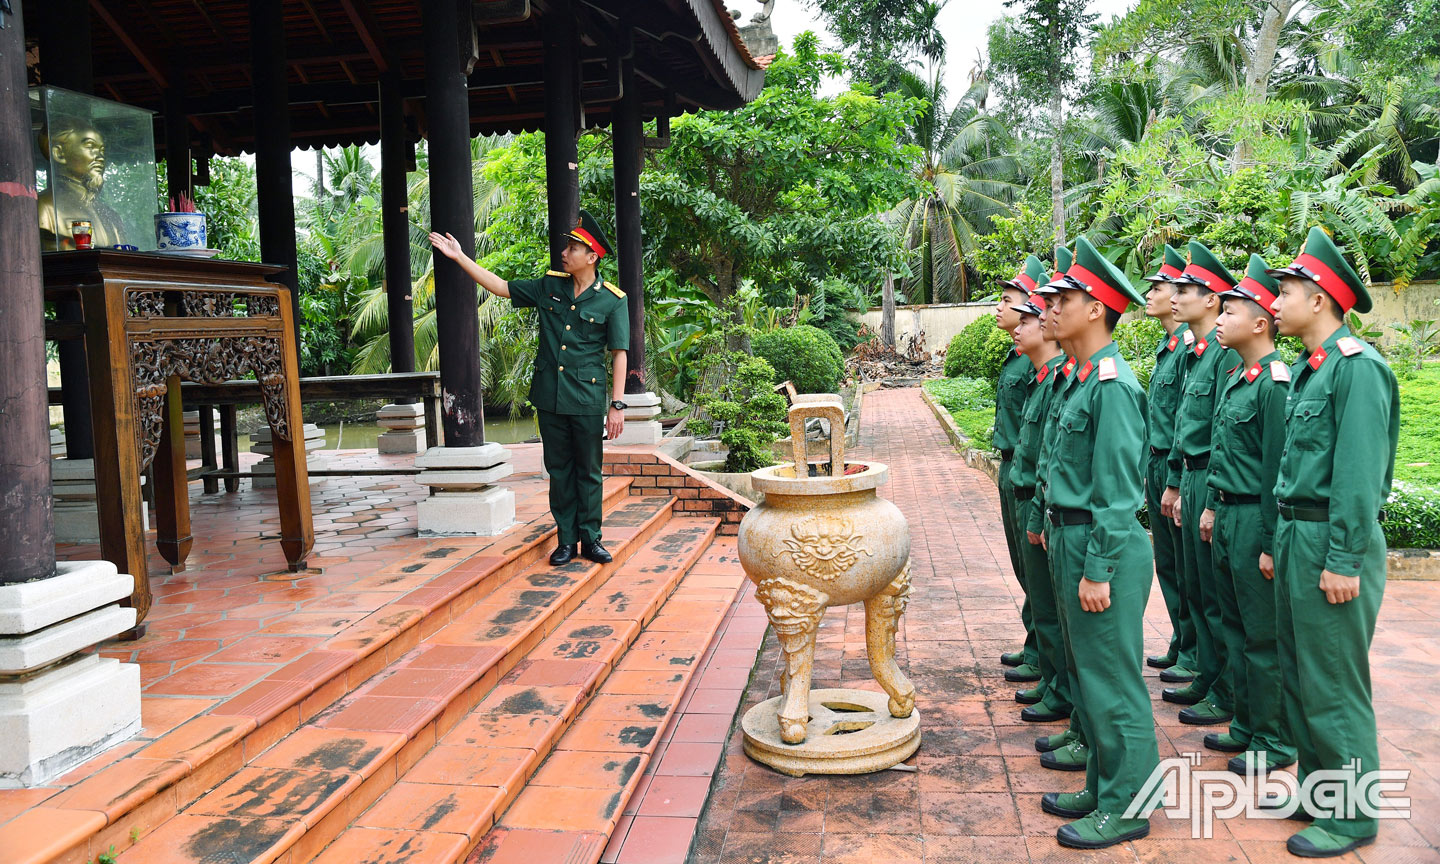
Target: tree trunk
x=1257, y=71
x=1057, y=166
x=887, y=311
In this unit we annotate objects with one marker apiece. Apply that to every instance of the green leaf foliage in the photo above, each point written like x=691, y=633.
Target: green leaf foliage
x=978, y=351
x=971, y=401
x=1137, y=340
x=804, y=355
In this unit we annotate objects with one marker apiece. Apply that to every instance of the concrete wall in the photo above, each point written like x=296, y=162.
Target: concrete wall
x=940, y=322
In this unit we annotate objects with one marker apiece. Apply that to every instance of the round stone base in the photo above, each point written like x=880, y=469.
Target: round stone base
x=850, y=732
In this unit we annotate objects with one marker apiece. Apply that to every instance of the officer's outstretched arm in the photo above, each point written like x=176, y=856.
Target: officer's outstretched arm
x=450, y=248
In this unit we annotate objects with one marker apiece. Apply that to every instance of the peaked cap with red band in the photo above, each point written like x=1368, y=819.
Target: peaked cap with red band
x=1063, y=259
x=590, y=233
x=1172, y=264
x=1323, y=263
x=1258, y=285
x=1096, y=276
x=1030, y=277
x=1206, y=270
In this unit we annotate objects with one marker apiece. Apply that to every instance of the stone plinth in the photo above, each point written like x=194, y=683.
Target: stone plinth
x=264, y=470
x=77, y=518
x=641, y=427
x=192, y=434
x=464, y=499
x=404, y=429
x=58, y=706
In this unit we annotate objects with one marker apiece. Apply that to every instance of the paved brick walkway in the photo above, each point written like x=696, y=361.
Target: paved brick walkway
x=975, y=795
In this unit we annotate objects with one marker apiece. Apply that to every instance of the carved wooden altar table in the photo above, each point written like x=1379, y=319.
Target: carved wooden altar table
x=150, y=322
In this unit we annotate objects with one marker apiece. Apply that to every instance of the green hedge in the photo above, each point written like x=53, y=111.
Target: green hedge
x=978, y=351
x=1412, y=517
x=1137, y=340
x=806, y=356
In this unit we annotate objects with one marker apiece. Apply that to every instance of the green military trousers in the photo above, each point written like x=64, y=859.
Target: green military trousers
x=1247, y=607
x=572, y=445
x=1325, y=658
x=1106, y=650
x=1166, y=539
x=1014, y=542
x=1197, y=577
x=1044, y=616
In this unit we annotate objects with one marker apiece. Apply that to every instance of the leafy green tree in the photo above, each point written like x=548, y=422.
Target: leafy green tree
x=879, y=34
x=743, y=403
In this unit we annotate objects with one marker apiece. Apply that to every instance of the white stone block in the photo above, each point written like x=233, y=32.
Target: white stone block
x=72, y=470
x=641, y=400
x=51, y=722
x=19, y=654
x=312, y=432
x=442, y=481
x=401, y=441
x=414, y=411
x=465, y=458
x=646, y=432
x=77, y=587
x=485, y=513
x=633, y=413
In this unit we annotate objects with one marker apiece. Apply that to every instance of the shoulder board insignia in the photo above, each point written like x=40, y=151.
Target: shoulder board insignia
x=1318, y=358
x=1042, y=374
x=1108, y=369
x=613, y=290
x=1200, y=347
x=1252, y=373
x=1189, y=337
x=1279, y=371
x=559, y=273
x=1349, y=346
x=1174, y=340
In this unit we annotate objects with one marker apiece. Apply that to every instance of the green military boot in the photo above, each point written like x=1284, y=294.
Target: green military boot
x=1033, y=696
x=1012, y=658
x=1316, y=842
x=1161, y=661
x=1046, y=743
x=1101, y=830
x=1023, y=673
x=1257, y=760
x=1041, y=712
x=1177, y=674
x=1071, y=757
x=1225, y=743
x=1204, y=713
x=1187, y=695
x=1070, y=805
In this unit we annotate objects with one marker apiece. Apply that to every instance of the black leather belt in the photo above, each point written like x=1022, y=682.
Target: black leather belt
x=1314, y=512
x=1007, y=455
x=1197, y=463
x=1067, y=516
x=1232, y=498
x=1024, y=493
x=1156, y=451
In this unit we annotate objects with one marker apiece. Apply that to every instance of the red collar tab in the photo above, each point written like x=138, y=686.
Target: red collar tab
x=1068, y=367
x=1200, y=346
x=1170, y=271
x=1042, y=374
x=1213, y=282
x=1174, y=340
x=1328, y=280
x=1085, y=371
x=1098, y=288
x=1317, y=359
x=1252, y=373
x=1264, y=296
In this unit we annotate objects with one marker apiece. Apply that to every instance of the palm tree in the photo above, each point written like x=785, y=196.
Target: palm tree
x=970, y=174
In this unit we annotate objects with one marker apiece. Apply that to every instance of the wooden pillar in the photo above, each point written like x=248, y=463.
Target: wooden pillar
x=452, y=210
x=395, y=223
x=66, y=61
x=562, y=72
x=274, y=190
x=177, y=139
x=27, y=528
x=629, y=139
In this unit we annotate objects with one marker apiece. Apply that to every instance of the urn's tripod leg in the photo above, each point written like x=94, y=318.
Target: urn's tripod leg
x=882, y=620
x=795, y=611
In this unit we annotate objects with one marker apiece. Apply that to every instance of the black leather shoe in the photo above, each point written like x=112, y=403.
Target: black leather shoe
x=595, y=552
x=1041, y=714
x=1022, y=674
x=1160, y=661
x=1179, y=696
x=563, y=554
x=1026, y=697
x=1176, y=675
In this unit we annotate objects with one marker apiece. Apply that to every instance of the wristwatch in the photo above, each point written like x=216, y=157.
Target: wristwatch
x=618, y=405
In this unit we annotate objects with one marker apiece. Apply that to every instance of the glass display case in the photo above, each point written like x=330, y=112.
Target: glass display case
x=95, y=169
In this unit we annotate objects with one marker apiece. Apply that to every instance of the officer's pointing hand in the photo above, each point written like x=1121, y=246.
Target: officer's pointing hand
x=1339, y=589
x=1094, y=596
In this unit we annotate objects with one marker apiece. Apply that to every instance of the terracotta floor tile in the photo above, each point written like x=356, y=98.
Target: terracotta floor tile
x=976, y=814
x=472, y=766
x=378, y=714
x=121, y=787
x=209, y=679
x=611, y=736
x=411, y=847
x=619, y=706
x=763, y=847
x=436, y=685
x=519, y=699
x=314, y=667
x=970, y=850
x=452, y=657
x=264, y=700
x=523, y=731
x=313, y=748
x=675, y=796
x=588, y=770
x=657, y=839
x=277, y=793
x=13, y=802
x=451, y=809
x=199, y=739
x=189, y=838
x=159, y=714
x=685, y=759
x=561, y=808
x=43, y=832
x=517, y=846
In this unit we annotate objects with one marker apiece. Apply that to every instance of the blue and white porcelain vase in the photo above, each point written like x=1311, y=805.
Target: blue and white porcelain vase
x=179, y=231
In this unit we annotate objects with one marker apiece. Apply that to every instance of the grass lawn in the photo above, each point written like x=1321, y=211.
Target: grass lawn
x=971, y=401
x=1417, y=460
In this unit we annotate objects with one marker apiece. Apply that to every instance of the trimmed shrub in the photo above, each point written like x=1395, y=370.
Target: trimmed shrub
x=978, y=351
x=1137, y=340
x=806, y=356
x=1412, y=517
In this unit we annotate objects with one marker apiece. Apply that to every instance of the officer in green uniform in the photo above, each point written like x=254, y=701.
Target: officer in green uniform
x=580, y=317
x=1342, y=423
x=1010, y=391
x=1101, y=556
x=1197, y=303
x=1162, y=400
x=1046, y=357
x=1248, y=435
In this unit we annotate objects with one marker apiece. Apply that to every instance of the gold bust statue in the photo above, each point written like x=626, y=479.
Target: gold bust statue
x=77, y=158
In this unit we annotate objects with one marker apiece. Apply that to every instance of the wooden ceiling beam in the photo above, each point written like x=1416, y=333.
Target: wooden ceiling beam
x=360, y=16
x=153, y=67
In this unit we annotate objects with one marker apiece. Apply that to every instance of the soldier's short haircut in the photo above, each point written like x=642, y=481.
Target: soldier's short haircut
x=1312, y=288
x=1112, y=318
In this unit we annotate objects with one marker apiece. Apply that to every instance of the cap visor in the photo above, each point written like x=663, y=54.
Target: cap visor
x=1277, y=272
x=1238, y=293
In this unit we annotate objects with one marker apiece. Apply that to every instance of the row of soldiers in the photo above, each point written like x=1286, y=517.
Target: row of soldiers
x=1272, y=581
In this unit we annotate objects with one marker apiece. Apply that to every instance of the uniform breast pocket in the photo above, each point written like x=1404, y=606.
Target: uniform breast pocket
x=1074, y=435
x=1313, y=423
x=1201, y=395
x=1033, y=411
x=592, y=325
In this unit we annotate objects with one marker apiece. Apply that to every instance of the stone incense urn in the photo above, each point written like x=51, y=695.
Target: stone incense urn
x=816, y=542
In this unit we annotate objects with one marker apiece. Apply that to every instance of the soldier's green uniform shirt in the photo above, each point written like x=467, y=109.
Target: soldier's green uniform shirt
x=1010, y=392
x=1033, y=428
x=1162, y=401
x=1163, y=397
x=575, y=333
x=1195, y=414
x=1249, y=434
